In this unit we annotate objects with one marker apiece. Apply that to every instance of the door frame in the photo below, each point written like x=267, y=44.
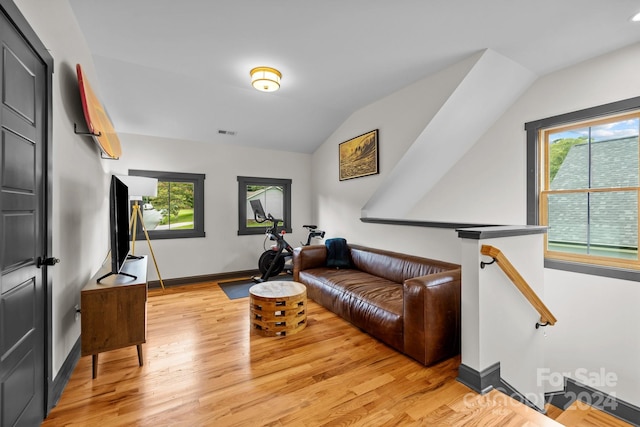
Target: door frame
x=11, y=11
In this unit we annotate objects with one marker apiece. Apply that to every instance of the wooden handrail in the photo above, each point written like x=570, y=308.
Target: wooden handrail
x=545, y=314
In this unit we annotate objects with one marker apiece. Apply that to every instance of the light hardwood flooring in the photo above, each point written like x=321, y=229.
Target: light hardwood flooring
x=203, y=367
x=581, y=414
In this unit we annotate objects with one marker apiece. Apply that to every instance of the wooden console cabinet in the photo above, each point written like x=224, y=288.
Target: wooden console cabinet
x=114, y=312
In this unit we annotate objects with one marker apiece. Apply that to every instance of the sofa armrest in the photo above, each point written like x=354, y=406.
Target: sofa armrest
x=432, y=316
x=306, y=257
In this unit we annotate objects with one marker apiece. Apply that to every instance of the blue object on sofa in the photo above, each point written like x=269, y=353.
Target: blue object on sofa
x=337, y=253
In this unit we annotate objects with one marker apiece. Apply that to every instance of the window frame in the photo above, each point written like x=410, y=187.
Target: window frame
x=243, y=181
x=600, y=267
x=198, y=204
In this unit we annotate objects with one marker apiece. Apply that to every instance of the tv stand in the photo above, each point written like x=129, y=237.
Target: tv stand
x=114, y=313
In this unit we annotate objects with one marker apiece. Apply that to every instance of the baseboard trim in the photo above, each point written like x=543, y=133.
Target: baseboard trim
x=574, y=390
x=64, y=374
x=480, y=382
x=179, y=281
x=489, y=379
x=507, y=389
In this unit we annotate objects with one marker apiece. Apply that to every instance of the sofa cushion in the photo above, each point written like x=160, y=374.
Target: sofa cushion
x=371, y=303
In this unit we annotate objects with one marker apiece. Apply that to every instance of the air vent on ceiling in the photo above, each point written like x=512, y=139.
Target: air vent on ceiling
x=226, y=132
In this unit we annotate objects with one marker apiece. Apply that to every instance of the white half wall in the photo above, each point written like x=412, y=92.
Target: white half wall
x=498, y=323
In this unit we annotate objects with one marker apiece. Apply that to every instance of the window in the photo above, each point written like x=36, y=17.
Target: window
x=583, y=185
x=178, y=209
x=273, y=194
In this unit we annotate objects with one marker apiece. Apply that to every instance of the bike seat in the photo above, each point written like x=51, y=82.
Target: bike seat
x=311, y=227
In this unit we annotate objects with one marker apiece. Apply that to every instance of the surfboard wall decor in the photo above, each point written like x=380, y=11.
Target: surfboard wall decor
x=98, y=122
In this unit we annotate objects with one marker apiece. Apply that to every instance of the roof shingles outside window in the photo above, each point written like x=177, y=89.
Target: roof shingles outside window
x=603, y=219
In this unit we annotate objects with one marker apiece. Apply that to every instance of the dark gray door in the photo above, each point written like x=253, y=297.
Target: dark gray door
x=22, y=239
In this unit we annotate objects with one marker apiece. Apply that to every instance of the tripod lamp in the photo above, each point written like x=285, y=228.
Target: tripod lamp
x=139, y=187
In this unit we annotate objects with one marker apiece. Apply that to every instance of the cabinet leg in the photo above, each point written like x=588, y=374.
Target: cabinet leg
x=140, y=357
x=94, y=361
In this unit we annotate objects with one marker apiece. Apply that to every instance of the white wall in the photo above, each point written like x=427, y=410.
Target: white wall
x=597, y=336
x=482, y=96
x=222, y=250
x=400, y=118
x=488, y=185
x=80, y=177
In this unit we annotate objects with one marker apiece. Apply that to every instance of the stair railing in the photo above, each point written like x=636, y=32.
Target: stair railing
x=546, y=317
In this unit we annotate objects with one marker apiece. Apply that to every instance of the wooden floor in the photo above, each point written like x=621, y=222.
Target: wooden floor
x=203, y=367
x=581, y=414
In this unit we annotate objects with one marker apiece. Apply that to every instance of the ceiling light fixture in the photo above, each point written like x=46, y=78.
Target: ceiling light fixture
x=636, y=17
x=265, y=79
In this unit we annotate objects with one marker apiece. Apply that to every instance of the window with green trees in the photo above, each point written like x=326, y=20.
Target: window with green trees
x=177, y=211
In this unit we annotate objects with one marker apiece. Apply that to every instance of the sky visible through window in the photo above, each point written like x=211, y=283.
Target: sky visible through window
x=615, y=130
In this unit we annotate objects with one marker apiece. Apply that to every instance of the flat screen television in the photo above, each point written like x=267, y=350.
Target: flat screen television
x=118, y=226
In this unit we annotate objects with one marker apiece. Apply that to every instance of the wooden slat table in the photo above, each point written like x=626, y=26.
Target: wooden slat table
x=278, y=308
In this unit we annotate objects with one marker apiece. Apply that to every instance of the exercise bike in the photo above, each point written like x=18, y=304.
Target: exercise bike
x=274, y=260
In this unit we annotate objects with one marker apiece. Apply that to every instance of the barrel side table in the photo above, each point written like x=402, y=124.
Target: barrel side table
x=278, y=308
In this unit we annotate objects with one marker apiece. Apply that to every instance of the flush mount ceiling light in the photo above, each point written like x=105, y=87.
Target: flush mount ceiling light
x=265, y=79
x=636, y=17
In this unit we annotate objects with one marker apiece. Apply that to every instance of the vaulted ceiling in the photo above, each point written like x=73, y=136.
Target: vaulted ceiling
x=180, y=69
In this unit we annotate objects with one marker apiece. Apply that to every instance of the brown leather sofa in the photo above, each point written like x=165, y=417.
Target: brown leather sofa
x=410, y=303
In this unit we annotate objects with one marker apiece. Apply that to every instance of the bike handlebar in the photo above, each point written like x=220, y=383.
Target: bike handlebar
x=313, y=229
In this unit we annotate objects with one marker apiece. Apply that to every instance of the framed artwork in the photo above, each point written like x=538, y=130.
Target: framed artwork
x=359, y=156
